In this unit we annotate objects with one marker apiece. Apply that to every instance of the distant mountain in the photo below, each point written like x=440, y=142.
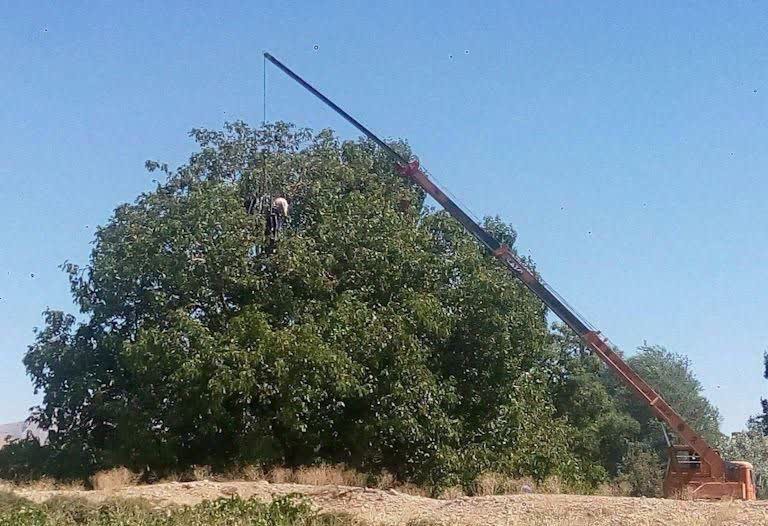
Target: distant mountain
x=18, y=430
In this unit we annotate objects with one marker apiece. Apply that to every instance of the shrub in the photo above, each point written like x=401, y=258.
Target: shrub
x=113, y=479
x=287, y=511
x=642, y=471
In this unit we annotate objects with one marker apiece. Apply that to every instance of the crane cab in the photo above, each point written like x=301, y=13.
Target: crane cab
x=688, y=476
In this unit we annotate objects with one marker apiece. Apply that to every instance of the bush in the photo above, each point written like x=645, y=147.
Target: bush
x=113, y=479
x=288, y=511
x=751, y=446
x=642, y=471
x=23, y=460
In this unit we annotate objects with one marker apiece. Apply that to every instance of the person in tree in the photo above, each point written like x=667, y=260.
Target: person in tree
x=277, y=216
x=251, y=204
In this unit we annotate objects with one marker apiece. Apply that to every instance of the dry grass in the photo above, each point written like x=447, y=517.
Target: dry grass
x=280, y=475
x=386, y=480
x=685, y=493
x=320, y=475
x=252, y=473
x=412, y=489
x=393, y=507
x=613, y=489
x=552, y=486
x=49, y=484
x=113, y=479
x=248, y=473
x=492, y=483
x=326, y=475
x=201, y=472
x=197, y=473
x=453, y=492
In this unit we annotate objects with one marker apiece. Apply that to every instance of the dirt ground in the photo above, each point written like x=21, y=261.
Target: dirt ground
x=390, y=507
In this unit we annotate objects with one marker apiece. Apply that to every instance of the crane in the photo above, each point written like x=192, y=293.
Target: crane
x=695, y=468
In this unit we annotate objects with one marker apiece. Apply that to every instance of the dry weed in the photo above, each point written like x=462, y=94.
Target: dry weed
x=252, y=473
x=280, y=475
x=113, y=479
x=352, y=477
x=489, y=483
x=48, y=484
x=171, y=477
x=453, y=492
x=551, y=485
x=228, y=475
x=322, y=475
x=386, y=480
x=327, y=475
x=686, y=493
x=613, y=489
x=193, y=474
x=201, y=472
x=412, y=489
x=492, y=483
x=42, y=484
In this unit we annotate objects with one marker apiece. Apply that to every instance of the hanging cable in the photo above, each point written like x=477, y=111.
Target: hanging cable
x=264, y=91
x=264, y=186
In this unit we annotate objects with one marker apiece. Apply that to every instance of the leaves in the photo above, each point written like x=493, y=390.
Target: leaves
x=613, y=427
x=750, y=445
x=375, y=333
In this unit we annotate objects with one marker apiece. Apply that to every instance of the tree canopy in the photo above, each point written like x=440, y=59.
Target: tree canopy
x=750, y=445
x=612, y=426
x=374, y=333
x=671, y=374
x=760, y=421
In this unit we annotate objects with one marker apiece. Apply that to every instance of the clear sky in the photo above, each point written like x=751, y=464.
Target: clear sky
x=625, y=141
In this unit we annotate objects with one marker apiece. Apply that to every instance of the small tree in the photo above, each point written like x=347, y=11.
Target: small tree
x=602, y=429
x=672, y=375
x=761, y=421
x=750, y=445
x=641, y=470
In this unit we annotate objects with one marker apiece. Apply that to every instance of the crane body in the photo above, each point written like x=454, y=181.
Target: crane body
x=695, y=468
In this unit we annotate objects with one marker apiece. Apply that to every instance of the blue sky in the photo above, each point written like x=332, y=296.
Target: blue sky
x=625, y=142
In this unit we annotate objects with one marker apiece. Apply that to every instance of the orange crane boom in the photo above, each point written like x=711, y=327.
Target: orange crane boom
x=694, y=468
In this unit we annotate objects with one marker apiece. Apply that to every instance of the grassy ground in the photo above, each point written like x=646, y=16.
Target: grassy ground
x=189, y=503
x=334, y=495
x=286, y=511
x=489, y=483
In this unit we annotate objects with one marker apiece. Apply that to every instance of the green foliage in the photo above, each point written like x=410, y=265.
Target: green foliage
x=761, y=421
x=286, y=511
x=672, y=376
x=375, y=333
x=642, y=471
x=751, y=446
x=602, y=430
x=613, y=428
x=24, y=460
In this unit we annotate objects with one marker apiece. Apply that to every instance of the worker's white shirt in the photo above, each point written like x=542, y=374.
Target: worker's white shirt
x=281, y=204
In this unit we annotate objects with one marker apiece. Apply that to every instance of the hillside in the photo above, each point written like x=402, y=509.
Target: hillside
x=20, y=430
x=12, y=430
